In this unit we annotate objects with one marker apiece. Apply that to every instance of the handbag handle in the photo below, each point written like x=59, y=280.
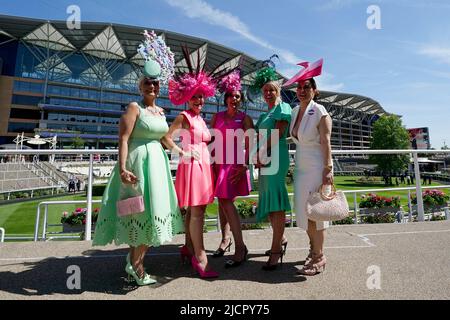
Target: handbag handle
x=132, y=186
x=325, y=196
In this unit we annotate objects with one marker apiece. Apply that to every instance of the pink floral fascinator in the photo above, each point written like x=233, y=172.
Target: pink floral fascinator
x=231, y=82
x=184, y=85
x=309, y=71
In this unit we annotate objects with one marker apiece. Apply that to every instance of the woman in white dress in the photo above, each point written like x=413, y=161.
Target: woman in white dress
x=311, y=131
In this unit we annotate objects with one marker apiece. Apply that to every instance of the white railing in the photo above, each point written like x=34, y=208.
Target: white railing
x=45, y=224
x=2, y=234
x=92, y=152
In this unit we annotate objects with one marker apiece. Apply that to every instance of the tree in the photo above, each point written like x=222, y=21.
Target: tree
x=389, y=133
x=78, y=142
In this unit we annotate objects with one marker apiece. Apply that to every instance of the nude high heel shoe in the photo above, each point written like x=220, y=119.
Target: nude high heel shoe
x=315, y=266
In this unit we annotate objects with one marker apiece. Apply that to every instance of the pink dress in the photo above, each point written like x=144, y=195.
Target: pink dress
x=230, y=162
x=194, y=181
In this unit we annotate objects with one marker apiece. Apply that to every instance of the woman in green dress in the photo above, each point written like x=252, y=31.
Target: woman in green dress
x=273, y=197
x=143, y=167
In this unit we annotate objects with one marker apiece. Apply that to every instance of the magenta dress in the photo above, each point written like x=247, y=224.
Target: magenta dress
x=223, y=170
x=194, y=183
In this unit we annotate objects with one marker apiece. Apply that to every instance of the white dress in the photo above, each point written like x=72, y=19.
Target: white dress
x=309, y=162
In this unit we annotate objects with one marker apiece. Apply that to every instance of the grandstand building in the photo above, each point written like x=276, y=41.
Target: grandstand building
x=77, y=83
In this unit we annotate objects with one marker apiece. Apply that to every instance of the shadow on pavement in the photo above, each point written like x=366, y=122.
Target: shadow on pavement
x=103, y=272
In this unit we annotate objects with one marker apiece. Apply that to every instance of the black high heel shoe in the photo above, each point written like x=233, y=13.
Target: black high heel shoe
x=233, y=263
x=220, y=252
x=271, y=267
x=283, y=244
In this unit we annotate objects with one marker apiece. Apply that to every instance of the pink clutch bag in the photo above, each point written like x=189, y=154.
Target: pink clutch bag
x=130, y=206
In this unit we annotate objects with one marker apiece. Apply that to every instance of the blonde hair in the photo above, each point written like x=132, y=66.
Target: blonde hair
x=275, y=85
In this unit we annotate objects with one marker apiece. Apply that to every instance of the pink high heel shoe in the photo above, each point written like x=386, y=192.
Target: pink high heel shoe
x=185, y=254
x=201, y=272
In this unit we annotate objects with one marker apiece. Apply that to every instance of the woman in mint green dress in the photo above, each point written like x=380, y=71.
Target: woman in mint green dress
x=273, y=197
x=144, y=164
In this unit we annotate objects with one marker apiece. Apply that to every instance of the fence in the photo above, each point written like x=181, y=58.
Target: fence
x=94, y=152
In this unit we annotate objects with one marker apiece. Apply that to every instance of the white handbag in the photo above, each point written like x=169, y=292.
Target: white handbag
x=321, y=207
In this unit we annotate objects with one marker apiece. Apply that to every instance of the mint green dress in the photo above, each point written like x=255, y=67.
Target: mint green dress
x=149, y=162
x=273, y=195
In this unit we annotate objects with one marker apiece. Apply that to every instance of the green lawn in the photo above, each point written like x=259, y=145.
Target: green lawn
x=19, y=218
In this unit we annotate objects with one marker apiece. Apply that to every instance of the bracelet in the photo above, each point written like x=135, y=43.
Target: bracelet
x=329, y=167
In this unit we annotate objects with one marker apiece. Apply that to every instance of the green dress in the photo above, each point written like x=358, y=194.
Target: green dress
x=149, y=162
x=273, y=195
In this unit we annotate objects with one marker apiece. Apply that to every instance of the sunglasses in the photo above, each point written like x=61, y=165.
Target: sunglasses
x=305, y=87
x=154, y=82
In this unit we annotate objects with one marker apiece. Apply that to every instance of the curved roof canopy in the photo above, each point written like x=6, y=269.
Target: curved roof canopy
x=120, y=42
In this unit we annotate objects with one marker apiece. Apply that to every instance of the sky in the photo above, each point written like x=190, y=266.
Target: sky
x=396, y=52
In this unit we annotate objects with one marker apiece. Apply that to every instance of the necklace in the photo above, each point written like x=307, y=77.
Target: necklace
x=154, y=110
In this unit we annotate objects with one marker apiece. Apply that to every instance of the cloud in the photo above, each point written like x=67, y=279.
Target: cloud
x=199, y=9
x=325, y=82
x=439, y=53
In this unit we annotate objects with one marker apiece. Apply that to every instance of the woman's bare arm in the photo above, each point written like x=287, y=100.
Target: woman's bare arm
x=126, y=126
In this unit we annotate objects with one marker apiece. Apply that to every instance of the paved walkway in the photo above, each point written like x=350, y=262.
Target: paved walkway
x=412, y=261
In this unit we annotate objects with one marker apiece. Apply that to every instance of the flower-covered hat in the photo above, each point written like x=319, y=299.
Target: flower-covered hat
x=159, y=58
x=184, y=85
x=231, y=82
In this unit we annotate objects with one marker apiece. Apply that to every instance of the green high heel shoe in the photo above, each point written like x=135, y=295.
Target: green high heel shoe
x=144, y=281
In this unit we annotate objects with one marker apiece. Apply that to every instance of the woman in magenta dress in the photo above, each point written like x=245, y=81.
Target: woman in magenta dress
x=232, y=175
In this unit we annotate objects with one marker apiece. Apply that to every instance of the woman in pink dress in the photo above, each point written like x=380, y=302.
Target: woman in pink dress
x=231, y=169
x=194, y=183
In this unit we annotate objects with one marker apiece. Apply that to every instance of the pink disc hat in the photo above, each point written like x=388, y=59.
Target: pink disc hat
x=309, y=71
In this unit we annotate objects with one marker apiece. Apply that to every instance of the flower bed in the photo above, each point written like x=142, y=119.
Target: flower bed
x=247, y=210
x=373, y=201
x=76, y=220
x=432, y=198
x=379, y=209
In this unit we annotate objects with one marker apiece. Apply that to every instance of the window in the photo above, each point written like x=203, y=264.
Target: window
x=26, y=100
x=21, y=127
x=25, y=114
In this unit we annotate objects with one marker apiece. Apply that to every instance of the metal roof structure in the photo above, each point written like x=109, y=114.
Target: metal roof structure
x=119, y=42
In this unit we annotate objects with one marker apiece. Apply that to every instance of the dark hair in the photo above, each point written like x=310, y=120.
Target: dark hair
x=228, y=94
x=314, y=86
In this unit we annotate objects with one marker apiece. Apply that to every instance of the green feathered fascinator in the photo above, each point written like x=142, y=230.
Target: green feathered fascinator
x=262, y=77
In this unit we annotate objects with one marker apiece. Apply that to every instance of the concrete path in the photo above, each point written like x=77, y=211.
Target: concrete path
x=384, y=261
